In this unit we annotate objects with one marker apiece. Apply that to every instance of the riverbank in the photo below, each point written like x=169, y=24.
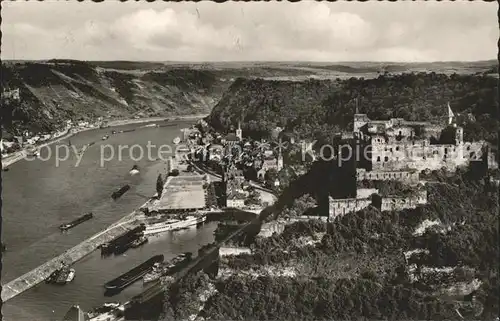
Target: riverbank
x=17, y=156
x=123, y=122
x=76, y=253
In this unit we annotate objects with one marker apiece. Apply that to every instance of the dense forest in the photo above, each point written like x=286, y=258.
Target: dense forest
x=315, y=108
x=356, y=269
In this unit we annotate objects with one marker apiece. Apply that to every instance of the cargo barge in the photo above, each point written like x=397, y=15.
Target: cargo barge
x=124, y=280
x=76, y=222
x=120, y=192
x=123, y=242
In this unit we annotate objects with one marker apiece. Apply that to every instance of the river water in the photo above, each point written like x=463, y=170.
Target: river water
x=39, y=195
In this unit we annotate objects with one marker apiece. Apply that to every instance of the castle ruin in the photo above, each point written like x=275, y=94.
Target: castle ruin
x=398, y=150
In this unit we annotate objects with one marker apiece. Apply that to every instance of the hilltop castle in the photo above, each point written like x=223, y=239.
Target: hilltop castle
x=397, y=149
x=397, y=144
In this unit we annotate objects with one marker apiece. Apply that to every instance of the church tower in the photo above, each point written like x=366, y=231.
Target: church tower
x=451, y=116
x=459, y=136
x=239, y=133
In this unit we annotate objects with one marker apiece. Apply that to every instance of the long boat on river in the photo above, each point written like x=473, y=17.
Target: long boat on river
x=126, y=279
x=76, y=222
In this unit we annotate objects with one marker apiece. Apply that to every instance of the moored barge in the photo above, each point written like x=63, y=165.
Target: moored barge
x=123, y=242
x=133, y=275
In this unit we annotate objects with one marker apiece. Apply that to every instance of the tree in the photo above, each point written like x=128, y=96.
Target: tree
x=159, y=185
x=270, y=176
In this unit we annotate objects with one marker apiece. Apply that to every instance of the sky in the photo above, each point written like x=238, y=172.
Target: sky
x=260, y=31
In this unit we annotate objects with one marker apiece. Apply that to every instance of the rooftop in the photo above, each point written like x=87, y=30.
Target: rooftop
x=232, y=137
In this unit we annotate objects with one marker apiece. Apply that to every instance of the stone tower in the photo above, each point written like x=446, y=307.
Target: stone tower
x=459, y=136
x=239, y=133
x=359, y=119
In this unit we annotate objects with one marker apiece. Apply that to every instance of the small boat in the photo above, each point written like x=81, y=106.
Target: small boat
x=177, y=140
x=167, y=268
x=71, y=275
x=134, y=170
x=113, y=132
x=105, y=137
x=4, y=248
x=6, y=169
x=63, y=275
x=154, y=275
x=69, y=142
x=140, y=241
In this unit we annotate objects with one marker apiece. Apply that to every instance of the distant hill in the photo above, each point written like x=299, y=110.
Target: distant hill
x=56, y=90
x=318, y=108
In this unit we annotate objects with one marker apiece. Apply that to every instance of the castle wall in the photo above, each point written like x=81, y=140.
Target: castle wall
x=404, y=176
x=420, y=156
x=340, y=207
x=400, y=203
x=227, y=251
x=366, y=192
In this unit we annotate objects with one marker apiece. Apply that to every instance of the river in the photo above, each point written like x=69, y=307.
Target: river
x=39, y=195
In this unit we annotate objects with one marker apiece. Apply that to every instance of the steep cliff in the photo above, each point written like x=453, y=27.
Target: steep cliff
x=54, y=91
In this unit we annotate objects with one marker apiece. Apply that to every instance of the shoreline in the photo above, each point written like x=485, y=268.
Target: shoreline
x=12, y=159
x=79, y=251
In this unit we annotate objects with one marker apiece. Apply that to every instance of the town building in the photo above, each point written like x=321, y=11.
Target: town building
x=11, y=95
x=270, y=162
x=235, y=195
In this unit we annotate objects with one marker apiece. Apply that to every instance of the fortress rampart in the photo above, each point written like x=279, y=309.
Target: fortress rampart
x=403, y=176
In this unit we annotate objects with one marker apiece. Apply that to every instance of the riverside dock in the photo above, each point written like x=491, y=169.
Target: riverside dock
x=39, y=274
